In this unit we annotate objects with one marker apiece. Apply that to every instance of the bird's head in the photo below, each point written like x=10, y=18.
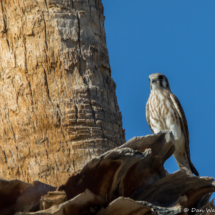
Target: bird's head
x=158, y=81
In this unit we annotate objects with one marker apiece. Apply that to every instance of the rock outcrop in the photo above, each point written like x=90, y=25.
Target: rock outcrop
x=58, y=104
x=127, y=180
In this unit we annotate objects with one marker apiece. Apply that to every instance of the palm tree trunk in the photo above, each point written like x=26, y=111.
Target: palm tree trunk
x=58, y=103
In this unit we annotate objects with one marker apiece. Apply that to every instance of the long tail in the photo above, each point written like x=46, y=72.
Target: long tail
x=193, y=169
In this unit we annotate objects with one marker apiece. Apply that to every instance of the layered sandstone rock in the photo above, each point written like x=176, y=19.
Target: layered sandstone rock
x=58, y=103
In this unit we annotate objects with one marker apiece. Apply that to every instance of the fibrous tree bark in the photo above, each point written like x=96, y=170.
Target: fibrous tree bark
x=58, y=103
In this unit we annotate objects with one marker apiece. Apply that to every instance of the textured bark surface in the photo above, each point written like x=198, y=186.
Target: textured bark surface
x=58, y=103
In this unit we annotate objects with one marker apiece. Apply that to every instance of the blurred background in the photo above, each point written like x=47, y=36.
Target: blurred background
x=176, y=38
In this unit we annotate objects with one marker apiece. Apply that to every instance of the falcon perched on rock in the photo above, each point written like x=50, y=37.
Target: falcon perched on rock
x=164, y=112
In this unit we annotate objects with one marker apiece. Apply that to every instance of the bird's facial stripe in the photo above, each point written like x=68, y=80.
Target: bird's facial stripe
x=160, y=77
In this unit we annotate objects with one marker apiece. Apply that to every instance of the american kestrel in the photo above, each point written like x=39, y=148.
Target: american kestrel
x=164, y=112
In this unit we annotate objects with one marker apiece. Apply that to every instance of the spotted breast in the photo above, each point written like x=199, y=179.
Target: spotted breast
x=162, y=113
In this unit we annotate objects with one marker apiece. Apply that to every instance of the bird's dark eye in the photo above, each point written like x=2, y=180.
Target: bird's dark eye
x=160, y=77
